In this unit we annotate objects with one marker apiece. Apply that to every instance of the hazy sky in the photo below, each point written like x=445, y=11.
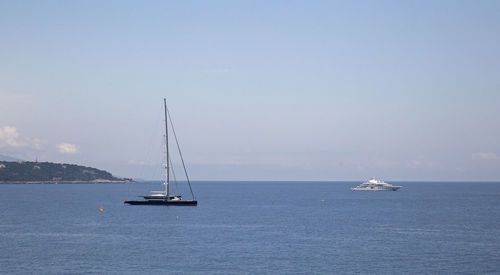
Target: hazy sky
x=279, y=90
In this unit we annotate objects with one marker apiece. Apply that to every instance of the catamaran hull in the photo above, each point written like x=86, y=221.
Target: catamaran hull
x=163, y=202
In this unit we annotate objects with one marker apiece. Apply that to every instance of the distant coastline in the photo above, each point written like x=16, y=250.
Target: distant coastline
x=69, y=182
x=26, y=172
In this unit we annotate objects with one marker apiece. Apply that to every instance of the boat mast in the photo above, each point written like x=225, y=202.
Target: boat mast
x=166, y=147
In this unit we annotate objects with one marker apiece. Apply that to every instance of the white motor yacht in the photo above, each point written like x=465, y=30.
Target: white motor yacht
x=375, y=185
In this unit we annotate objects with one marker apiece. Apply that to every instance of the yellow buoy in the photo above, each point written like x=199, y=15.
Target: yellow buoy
x=100, y=208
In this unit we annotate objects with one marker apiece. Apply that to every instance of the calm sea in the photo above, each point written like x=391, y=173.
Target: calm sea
x=252, y=227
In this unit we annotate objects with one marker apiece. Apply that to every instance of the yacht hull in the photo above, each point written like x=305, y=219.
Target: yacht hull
x=163, y=202
x=375, y=189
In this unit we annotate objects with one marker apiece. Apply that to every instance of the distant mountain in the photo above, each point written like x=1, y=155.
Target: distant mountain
x=29, y=171
x=7, y=158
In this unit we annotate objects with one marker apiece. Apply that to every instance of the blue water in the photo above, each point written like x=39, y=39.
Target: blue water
x=252, y=227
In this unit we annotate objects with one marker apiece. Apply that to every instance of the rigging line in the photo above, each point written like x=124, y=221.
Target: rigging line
x=173, y=176
x=180, y=153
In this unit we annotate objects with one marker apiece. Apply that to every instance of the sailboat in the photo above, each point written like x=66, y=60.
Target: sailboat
x=165, y=197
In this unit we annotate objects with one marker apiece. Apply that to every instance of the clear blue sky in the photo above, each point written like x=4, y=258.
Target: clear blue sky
x=280, y=90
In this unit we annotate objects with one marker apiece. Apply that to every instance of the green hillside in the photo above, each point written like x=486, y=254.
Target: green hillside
x=52, y=172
